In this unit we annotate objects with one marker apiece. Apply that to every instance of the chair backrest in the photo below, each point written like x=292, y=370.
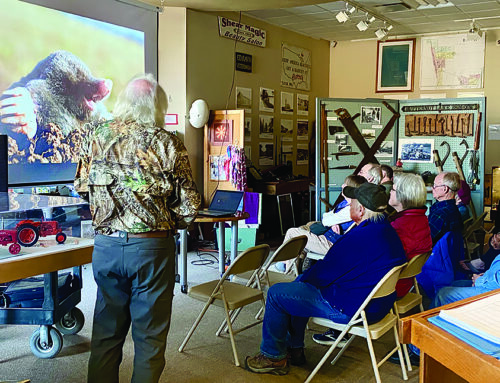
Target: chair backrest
x=251, y=259
x=289, y=250
x=414, y=266
x=386, y=286
x=475, y=225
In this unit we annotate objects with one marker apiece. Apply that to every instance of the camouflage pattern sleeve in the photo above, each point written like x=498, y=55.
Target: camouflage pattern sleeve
x=83, y=167
x=188, y=199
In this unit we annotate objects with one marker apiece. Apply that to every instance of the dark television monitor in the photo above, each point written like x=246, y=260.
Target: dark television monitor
x=62, y=65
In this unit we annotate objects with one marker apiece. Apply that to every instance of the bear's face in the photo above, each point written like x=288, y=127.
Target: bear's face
x=71, y=81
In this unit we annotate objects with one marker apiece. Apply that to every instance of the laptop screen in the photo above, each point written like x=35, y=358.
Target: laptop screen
x=226, y=200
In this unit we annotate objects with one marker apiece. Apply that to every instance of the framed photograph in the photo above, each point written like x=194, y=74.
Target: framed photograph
x=266, y=127
x=266, y=153
x=341, y=139
x=286, y=103
x=221, y=133
x=386, y=149
x=286, y=130
x=266, y=100
x=303, y=130
x=370, y=114
x=248, y=128
x=302, y=104
x=416, y=150
x=395, y=65
x=368, y=134
x=244, y=99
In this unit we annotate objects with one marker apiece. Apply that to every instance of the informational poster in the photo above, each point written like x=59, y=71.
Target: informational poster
x=452, y=62
x=295, y=67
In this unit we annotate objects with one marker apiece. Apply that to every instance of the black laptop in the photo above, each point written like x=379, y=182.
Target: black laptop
x=224, y=203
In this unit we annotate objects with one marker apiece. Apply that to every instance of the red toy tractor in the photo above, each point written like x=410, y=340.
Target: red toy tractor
x=29, y=231
x=10, y=236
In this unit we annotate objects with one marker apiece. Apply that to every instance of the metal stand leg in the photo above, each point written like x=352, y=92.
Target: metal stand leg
x=222, y=246
x=234, y=240
x=183, y=260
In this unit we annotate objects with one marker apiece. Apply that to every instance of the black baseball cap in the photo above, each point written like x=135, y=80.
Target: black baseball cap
x=371, y=196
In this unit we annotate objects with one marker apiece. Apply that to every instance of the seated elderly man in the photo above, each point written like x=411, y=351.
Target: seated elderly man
x=372, y=173
x=335, y=223
x=444, y=215
x=334, y=287
x=480, y=283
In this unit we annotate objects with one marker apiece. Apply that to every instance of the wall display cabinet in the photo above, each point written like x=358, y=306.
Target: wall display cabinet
x=430, y=134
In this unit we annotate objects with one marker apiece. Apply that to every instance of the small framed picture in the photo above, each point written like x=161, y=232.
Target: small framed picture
x=395, y=65
x=416, y=150
x=221, y=133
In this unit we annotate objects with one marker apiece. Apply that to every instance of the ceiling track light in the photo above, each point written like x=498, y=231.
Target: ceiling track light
x=382, y=33
x=364, y=24
x=474, y=33
x=343, y=16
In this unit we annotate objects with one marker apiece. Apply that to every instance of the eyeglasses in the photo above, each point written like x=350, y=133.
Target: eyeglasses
x=438, y=186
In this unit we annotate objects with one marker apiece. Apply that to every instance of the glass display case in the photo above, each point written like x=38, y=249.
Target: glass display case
x=32, y=220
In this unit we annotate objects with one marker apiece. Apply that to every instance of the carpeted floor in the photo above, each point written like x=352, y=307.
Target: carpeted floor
x=207, y=358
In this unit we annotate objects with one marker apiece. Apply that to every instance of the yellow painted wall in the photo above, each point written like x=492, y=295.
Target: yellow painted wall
x=353, y=71
x=209, y=72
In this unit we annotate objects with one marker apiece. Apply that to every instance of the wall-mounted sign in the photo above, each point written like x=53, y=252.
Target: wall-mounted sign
x=242, y=32
x=295, y=67
x=243, y=62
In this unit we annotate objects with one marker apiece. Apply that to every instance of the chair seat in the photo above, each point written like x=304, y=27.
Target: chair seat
x=236, y=295
x=408, y=302
x=275, y=277
x=376, y=329
x=315, y=256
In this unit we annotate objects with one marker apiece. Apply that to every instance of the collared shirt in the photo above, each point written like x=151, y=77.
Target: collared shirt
x=444, y=217
x=137, y=178
x=491, y=278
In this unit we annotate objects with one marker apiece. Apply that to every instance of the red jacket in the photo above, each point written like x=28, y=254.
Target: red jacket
x=413, y=229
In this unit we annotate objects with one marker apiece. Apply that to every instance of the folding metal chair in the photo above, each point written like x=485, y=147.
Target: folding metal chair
x=358, y=326
x=230, y=295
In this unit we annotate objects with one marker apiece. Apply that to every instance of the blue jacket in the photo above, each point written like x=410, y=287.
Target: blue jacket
x=354, y=265
x=443, y=266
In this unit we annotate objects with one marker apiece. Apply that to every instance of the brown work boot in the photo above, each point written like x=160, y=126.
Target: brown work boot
x=263, y=365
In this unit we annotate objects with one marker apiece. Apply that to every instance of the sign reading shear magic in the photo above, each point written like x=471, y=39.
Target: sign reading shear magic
x=242, y=32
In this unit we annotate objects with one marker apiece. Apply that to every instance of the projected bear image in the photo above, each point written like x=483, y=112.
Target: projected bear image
x=44, y=113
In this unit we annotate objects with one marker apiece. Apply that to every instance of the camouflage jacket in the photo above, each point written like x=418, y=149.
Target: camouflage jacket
x=137, y=179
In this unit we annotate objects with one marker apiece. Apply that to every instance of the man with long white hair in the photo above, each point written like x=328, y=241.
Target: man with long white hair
x=138, y=180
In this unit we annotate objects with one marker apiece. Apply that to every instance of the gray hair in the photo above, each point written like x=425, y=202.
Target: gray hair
x=376, y=172
x=410, y=190
x=143, y=100
x=452, y=180
x=369, y=214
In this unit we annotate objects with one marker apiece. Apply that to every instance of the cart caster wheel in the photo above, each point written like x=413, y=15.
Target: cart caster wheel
x=15, y=248
x=46, y=351
x=72, y=322
x=60, y=237
x=184, y=289
x=177, y=278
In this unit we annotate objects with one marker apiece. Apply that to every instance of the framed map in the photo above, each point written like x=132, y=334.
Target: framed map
x=452, y=62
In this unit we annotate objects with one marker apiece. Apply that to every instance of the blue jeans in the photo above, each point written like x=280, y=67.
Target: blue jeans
x=288, y=308
x=458, y=290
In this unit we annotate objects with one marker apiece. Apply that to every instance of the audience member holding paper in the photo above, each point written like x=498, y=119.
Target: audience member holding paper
x=480, y=283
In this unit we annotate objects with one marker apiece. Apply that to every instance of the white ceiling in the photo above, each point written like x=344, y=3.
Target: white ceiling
x=318, y=20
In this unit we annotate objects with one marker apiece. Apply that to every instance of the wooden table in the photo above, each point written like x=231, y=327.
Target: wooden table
x=222, y=238
x=443, y=357
x=42, y=260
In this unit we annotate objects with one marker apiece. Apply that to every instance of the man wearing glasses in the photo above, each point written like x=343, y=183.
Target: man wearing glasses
x=444, y=215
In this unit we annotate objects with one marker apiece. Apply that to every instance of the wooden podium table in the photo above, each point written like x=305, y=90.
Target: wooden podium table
x=443, y=357
x=222, y=238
